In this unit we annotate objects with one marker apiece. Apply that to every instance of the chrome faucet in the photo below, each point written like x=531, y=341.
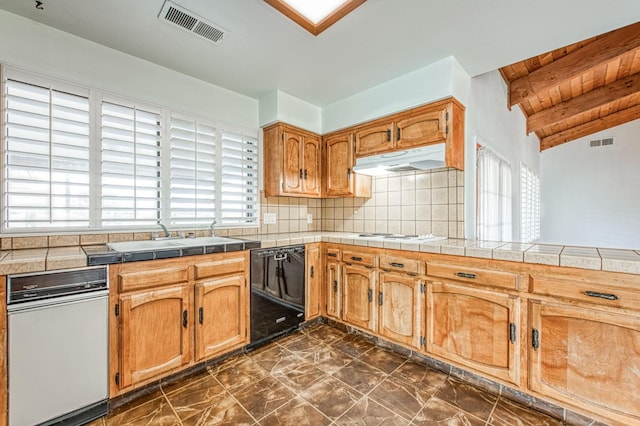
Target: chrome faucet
x=213, y=228
x=167, y=234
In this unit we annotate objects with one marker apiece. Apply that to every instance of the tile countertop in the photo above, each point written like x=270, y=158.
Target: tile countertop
x=605, y=259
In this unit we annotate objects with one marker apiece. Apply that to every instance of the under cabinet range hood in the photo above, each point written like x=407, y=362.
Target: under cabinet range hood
x=422, y=158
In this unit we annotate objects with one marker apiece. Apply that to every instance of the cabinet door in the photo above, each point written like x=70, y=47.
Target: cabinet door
x=221, y=315
x=313, y=289
x=358, y=289
x=426, y=128
x=475, y=328
x=587, y=358
x=292, y=173
x=374, y=139
x=333, y=289
x=311, y=165
x=338, y=165
x=155, y=333
x=399, y=308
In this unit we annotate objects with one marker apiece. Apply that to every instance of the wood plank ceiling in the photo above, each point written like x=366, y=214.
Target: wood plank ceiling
x=579, y=89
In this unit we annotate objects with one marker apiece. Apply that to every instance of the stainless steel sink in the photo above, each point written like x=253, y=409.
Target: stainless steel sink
x=129, y=246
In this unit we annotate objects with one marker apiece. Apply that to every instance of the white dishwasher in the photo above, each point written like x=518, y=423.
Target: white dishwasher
x=57, y=346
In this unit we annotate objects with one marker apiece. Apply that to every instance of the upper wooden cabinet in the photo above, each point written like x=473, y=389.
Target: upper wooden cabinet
x=438, y=122
x=292, y=162
x=340, y=180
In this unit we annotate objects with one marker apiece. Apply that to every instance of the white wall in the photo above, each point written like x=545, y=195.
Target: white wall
x=280, y=106
x=504, y=132
x=35, y=47
x=591, y=196
x=425, y=85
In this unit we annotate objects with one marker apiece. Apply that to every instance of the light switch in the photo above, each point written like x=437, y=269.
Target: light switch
x=269, y=219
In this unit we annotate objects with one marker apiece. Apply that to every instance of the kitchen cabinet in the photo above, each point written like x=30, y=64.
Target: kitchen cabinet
x=333, y=286
x=438, y=122
x=584, y=347
x=154, y=333
x=358, y=289
x=221, y=306
x=314, y=281
x=170, y=314
x=399, y=302
x=292, y=162
x=3, y=350
x=473, y=327
x=340, y=180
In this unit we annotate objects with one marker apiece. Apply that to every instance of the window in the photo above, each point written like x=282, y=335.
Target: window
x=529, y=205
x=46, y=157
x=130, y=175
x=75, y=158
x=494, y=197
x=193, y=172
x=239, y=184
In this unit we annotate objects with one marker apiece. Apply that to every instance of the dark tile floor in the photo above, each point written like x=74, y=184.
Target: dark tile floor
x=322, y=376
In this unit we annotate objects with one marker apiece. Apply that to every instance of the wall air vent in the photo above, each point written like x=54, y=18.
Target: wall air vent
x=607, y=141
x=594, y=143
x=189, y=21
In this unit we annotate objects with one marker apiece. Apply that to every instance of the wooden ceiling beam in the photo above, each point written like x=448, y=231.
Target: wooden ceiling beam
x=585, y=129
x=603, y=50
x=590, y=100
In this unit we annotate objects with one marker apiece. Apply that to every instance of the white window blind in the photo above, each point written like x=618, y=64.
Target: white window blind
x=494, y=222
x=46, y=157
x=529, y=204
x=192, y=172
x=130, y=166
x=239, y=196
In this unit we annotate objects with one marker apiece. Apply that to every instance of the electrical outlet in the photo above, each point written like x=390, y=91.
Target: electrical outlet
x=309, y=218
x=269, y=219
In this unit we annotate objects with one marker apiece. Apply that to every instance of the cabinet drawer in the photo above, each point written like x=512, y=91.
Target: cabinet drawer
x=131, y=281
x=596, y=293
x=356, y=258
x=505, y=280
x=219, y=267
x=400, y=264
x=333, y=253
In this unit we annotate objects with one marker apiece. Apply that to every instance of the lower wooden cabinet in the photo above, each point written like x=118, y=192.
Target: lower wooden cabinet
x=358, y=289
x=474, y=328
x=170, y=314
x=221, y=320
x=399, y=308
x=333, y=289
x=154, y=332
x=313, y=295
x=587, y=358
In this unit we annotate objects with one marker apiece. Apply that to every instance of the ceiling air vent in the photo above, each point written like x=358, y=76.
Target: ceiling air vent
x=189, y=21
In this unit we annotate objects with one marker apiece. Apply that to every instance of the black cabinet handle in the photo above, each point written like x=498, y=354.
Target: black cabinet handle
x=311, y=271
x=466, y=275
x=380, y=298
x=201, y=315
x=512, y=332
x=356, y=258
x=185, y=319
x=397, y=265
x=370, y=295
x=305, y=174
x=349, y=173
x=535, y=339
x=300, y=173
x=332, y=255
x=398, y=134
x=389, y=135
x=335, y=286
x=606, y=296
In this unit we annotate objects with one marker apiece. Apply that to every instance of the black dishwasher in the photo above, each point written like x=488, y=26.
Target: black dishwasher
x=277, y=291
